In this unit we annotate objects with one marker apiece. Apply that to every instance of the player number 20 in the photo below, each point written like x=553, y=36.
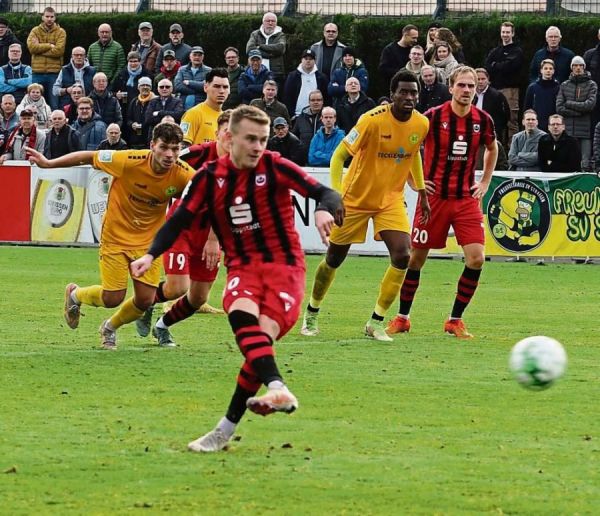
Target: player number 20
x=420, y=236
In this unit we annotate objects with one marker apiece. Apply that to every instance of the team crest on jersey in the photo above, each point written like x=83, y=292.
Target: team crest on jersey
x=171, y=190
x=476, y=128
x=413, y=138
x=220, y=182
x=260, y=180
x=105, y=156
x=519, y=215
x=352, y=136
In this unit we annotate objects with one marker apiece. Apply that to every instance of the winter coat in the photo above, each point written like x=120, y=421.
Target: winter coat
x=337, y=86
x=541, y=97
x=596, y=148
x=250, y=86
x=173, y=107
x=14, y=80
x=293, y=85
x=107, y=106
x=562, y=155
x=348, y=114
x=523, y=153
x=120, y=84
x=66, y=138
x=336, y=62
x=505, y=64
x=322, y=146
x=182, y=54
x=109, y=58
x=106, y=145
x=136, y=112
x=274, y=109
x=446, y=66
x=44, y=57
x=5, y=42
x=575, y=101
x=562, y=63
x=289, y=147
x=17, y=152
x=42, y=110
x=90, y=133
x=496, y=105
x=306, y=125
x=66, y=78
x=196, y=86
x=271, y=47
x=234, y=99
x=432, y=96
x=393, y=58
x=149, y=54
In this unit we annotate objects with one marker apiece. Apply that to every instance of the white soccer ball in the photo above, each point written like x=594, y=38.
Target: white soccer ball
x=537, y=362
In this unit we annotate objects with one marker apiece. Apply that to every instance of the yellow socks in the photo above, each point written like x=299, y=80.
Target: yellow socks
x=323, y=280
x=126, y=313
x=389, y=289
x=91, y=296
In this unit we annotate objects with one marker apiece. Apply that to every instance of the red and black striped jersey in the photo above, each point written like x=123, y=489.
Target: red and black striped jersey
x=451, y=148
x=251, y=211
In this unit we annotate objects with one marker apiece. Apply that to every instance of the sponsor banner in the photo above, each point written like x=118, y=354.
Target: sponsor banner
x=539, y=217
x=14, y=215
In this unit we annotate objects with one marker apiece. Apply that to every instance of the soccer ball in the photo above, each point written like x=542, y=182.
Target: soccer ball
x=537, y=362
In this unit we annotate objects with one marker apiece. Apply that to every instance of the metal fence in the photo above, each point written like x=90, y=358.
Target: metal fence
x=391, y=8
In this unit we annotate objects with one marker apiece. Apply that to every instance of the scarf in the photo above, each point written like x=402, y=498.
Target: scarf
x=147, y=98
x=443, y=63
x=43, y=111
x=28, y=140
x=132, y=75
x=170, y=74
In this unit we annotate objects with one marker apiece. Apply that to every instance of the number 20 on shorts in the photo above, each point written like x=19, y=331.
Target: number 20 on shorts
x=420, y=236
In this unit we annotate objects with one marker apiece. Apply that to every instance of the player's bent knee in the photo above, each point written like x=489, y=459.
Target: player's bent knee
x=400, y=260
x=113, y=299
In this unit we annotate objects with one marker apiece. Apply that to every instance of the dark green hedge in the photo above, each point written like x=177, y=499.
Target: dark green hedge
x=478, y=34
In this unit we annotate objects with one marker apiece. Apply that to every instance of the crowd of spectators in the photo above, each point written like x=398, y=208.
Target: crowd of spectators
x=112, y=94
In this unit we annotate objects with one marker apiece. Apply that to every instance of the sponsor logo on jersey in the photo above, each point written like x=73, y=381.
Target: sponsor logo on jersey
x=185, y=127
x=519, y=216
x=105, y=156
x=386, y=136
x=414, y=138
x=171, y=190
x=352, y=136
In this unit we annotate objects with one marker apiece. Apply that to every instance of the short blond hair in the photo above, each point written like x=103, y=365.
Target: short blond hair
x=460, y=71
x=251, y=113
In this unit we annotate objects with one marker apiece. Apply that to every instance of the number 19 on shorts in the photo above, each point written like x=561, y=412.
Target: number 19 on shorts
x=420, y=236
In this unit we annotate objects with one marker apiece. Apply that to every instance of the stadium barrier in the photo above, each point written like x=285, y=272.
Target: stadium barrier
x=525, y=213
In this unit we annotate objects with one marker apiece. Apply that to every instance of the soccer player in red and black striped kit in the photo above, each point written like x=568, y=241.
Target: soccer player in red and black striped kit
x=456, y=130
x=245, y=197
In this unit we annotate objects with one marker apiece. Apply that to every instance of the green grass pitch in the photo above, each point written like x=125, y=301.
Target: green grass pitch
x=424, y=425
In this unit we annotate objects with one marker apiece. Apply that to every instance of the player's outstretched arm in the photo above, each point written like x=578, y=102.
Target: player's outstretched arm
x=336, y=166
x=68, y=160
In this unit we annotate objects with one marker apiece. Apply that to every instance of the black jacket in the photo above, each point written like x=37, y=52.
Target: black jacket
x=107, y=106
x=562, y=155
x=393, y=58
x=289, y=147
x=496, y=105
x=432, y=96
x=292, y=87
x=57, y=145
x=348, y=114
x=305, y=126
x=505, y=66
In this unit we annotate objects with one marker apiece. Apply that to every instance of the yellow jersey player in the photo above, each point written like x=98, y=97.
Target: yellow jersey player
x=385, y=145
x=199, y=124
x=143, y=183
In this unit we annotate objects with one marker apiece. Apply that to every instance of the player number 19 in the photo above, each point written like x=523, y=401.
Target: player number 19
x=177, y=257
x=420, y=236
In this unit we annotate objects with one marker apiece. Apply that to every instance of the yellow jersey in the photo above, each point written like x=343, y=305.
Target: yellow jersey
x=383, y=150
x=137, y=201
x=199, y=124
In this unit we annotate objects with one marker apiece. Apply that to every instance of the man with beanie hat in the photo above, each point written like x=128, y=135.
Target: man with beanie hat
x=575, y=102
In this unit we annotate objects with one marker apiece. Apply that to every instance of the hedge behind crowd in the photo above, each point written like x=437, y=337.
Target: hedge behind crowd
x=478, y=34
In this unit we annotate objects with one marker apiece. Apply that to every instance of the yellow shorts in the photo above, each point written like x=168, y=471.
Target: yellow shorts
x=114, y=268
x=354, y=230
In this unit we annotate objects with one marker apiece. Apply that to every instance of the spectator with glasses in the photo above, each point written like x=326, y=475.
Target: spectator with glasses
x=165, y=104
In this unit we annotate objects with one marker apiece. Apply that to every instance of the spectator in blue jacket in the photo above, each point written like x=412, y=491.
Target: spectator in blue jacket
x=15, y=76
x=541, y=94
x=350, y=67
x=89, y=125
x=189, y=81
x=325, y=140
x=251, y=81
x=553, y=50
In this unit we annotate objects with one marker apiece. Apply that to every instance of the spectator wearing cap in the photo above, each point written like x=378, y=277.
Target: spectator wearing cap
x=7, y=38
x=89, y=126
x=46, y=44
x=271, y=41
x=15, y=77
x=395, y=55
x=136, y=128
x=328, y=51
x=78, y=71
x=125, y=85
x=24, y=135
x=326, y=140
x=251, y=82
x=105, y=103
x=106, y=55
x=168, y=70
x=189, y=81
x=576, y=101
x=235, y=71
x=113, y=140
x=166, y=104
x=61, y=139
x=181, y=50
x=147, y=47
x=553, y=50
x=300, y=82
x=286, y=143
x=352, y=105
x=269, y=103
x=350, y=67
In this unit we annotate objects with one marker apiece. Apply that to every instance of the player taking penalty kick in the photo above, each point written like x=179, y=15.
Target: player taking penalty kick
x=385, y=147
x=245, y=197
x=143, y=182
x=457, y=130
